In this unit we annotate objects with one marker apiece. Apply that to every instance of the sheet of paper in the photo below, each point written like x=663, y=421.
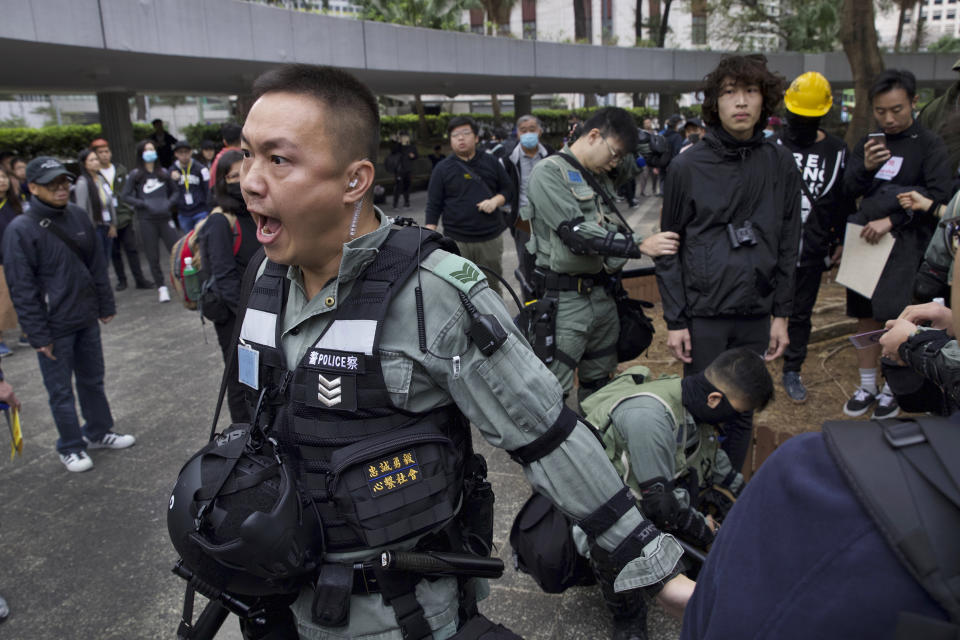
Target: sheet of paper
x=862, y=262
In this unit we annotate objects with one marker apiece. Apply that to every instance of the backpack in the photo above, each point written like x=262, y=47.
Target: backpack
x=543, y=547
x=906, y=476
x=189, y=247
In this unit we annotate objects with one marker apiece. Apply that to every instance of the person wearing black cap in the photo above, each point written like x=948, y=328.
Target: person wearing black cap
x=693, y=130
x=60, y=288
x=192, y=180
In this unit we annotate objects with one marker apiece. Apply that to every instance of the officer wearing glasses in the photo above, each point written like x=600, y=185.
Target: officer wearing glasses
x=579, y=245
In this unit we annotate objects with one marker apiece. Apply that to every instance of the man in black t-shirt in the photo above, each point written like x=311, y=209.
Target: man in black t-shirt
x=467, y=190
x=823, y=210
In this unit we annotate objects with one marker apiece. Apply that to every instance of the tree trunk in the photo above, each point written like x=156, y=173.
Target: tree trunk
x=638, y=23
x=859, y=39
x=918, y=33
x=495, y=105
x=580, y=22
x=662, y=32
x=668, y=107
x=423, y=134
x=141, y=107
x=589, y=100
x=653, y=23
x=903, y=10
x=637, y=100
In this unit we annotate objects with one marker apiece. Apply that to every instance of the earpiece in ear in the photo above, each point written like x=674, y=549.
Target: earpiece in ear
x=353, y=183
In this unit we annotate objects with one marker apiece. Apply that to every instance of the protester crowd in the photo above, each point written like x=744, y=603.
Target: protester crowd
x=758, y=202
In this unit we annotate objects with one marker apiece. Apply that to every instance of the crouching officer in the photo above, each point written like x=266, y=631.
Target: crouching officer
x=660, y=435
x=369, y=350
x=579, y=246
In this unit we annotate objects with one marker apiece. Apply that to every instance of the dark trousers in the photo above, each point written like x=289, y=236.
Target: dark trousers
x=525, y=263
x=236, y=400
x=152, y=231
x=105, y=241
x=709, y=337
x=78, y=356
x=804, y=297
x=126, y=242
x=402, y=185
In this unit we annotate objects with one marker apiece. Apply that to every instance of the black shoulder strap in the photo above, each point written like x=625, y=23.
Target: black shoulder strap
x=246, y=286
x=53, y=228
x=596, y=186
x=905, y=474
x=470, y=171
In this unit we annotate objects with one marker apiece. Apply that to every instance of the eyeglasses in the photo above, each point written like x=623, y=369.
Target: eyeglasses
x=613, y=154
x=460, y=134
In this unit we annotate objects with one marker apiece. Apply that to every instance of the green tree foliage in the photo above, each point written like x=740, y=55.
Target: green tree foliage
x=810, y=26
x=946, y=44
x=432, y=14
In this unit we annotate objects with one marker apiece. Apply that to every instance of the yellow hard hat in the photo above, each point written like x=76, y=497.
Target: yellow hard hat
x=809, y=95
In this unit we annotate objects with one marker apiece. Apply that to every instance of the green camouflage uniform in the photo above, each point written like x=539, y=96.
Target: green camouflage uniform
x=587, y=321
x=509, y=397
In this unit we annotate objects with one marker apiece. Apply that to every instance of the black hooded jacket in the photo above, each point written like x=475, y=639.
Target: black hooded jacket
x=54, y=292
x=721, y=181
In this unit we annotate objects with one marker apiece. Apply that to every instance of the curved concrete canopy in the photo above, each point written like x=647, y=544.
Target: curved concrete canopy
x=220, y=46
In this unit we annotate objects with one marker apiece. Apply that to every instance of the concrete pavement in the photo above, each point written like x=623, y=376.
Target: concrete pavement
x=87, y=555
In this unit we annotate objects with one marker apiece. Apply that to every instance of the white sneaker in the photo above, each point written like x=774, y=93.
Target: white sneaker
x=76, y=462
x=164, y=294
x=112, y=440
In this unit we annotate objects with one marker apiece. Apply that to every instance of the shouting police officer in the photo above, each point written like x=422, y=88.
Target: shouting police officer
x=370, y=349
x=578, y=246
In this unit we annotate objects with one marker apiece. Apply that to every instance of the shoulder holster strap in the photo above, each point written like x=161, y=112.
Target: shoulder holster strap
x=559, y=431
x=596, y=186
x=905, y=474
x=246, y=286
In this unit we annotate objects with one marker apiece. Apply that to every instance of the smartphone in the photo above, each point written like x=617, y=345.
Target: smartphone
x=868, y=339
x=878, y=137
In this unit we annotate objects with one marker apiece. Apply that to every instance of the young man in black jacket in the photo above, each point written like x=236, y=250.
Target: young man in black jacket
x=909, y=158
x=824, y=209
x=60, y=288
x=467, y=189
x=735, y=201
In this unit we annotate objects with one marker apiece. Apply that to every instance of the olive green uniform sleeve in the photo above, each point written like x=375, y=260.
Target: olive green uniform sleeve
x=512, y=398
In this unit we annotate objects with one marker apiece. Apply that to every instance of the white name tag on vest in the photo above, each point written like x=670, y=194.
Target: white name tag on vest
x=248, y=365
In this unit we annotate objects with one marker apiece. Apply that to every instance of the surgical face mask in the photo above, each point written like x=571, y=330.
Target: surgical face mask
x=149, y=156
x=695, y=390
x=529, y=140
x=767, y=133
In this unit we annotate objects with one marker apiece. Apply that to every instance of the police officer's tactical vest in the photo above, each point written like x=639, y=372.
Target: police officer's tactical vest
x=634, y=383
x=376, y=474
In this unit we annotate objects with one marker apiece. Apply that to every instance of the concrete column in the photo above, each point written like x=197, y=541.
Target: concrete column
x=522, y=105
x=115, y=123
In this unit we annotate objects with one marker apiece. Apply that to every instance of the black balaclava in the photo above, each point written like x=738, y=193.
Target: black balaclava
x=695, y=390
x=801, y=130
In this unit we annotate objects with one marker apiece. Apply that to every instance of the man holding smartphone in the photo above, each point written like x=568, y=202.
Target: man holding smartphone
x=901, y=157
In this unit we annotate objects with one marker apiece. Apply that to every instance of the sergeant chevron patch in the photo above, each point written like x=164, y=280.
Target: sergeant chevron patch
x=459, y=272
x=329, y=390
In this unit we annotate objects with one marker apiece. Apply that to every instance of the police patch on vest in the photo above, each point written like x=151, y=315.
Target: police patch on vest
x=574, y=176
x=388, y=474
x=335, y=361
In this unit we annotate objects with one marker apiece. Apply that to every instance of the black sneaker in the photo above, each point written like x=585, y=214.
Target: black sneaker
x=793, y=385
x=630, y=628
x=887, y=407
x=121, y=286
x=145, y=284
x=859, y=403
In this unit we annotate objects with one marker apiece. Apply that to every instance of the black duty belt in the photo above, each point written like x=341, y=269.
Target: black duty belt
x=546, y=280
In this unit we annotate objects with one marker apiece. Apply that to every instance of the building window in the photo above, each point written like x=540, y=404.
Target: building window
x=698, y=22
x=937, y=1
x=606, y=22
x=951, y=14
x=936, y=15
x=528, y=12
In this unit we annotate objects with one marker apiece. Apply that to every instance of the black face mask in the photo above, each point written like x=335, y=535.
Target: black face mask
x=232, y=199
x=801, y=130
x=695, y=390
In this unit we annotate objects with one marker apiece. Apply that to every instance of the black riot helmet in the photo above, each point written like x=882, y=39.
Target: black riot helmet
x=237, y=520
